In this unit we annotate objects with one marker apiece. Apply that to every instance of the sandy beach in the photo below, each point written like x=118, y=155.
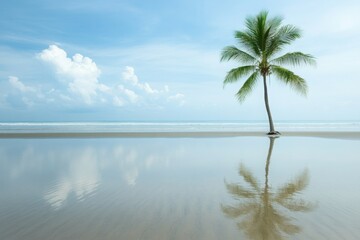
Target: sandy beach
x=175, y=185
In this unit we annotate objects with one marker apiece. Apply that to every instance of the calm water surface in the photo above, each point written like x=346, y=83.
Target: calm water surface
x=180, y=188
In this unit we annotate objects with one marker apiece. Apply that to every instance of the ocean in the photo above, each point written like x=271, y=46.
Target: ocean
x=219, y=126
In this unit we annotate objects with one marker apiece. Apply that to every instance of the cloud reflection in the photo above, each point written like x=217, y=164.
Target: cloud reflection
x=86, y=167
x=131, y=162
x=82, y=179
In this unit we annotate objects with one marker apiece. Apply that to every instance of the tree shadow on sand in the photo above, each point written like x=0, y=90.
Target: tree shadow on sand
x=262, y=212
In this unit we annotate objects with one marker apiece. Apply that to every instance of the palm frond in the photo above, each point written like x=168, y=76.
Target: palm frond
x=248, y=177
x=248, y=41
x=290, y=78
x=236, y=73
x=275, y=22
x=295, y=59
x=284, y=35
x=265, y=39
x=288, y=190
x=247, y=86
x=297, y=205
x=234, y=212
x=239, y=191
x=261, y=29
x=251, y=25
x=232, y=52
x=288, y=33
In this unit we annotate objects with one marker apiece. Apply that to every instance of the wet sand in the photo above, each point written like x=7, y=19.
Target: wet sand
x=179, y=185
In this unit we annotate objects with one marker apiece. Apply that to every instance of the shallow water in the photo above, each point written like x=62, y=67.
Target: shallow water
x=180, y=188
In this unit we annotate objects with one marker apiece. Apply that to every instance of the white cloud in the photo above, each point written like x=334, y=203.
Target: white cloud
x=133, y=97
x=129, y=75
x=16, y=83
x=149, y=93
x=81, y=71
x=80, y=77
x=104, y=88
x=25, y=95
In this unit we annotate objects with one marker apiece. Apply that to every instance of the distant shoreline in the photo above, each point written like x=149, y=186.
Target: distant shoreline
x=199, y=134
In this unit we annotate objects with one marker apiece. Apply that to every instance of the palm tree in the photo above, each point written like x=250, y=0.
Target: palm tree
x=260, y=207
x=261, y=43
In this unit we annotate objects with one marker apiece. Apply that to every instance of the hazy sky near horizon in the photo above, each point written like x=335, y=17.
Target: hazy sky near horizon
x=159, y=60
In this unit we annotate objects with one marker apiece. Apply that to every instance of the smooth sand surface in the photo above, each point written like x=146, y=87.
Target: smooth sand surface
x=159, y=188
x=322, y=134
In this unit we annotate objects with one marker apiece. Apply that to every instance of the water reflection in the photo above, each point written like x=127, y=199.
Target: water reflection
x=86, y=166
x=82, y=179
x=131, y=162
x=262, y=211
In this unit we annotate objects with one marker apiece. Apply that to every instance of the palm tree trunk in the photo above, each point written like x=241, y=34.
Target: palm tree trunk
x=267, y=166
x=271, y=124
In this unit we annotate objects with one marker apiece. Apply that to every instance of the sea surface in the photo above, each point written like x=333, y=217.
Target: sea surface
x=38, y=127
x=179, y=188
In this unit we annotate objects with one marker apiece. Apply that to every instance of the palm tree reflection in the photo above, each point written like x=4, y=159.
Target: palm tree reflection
x=260, y=207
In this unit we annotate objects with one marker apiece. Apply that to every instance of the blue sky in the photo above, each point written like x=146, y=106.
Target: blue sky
x=159, y=60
